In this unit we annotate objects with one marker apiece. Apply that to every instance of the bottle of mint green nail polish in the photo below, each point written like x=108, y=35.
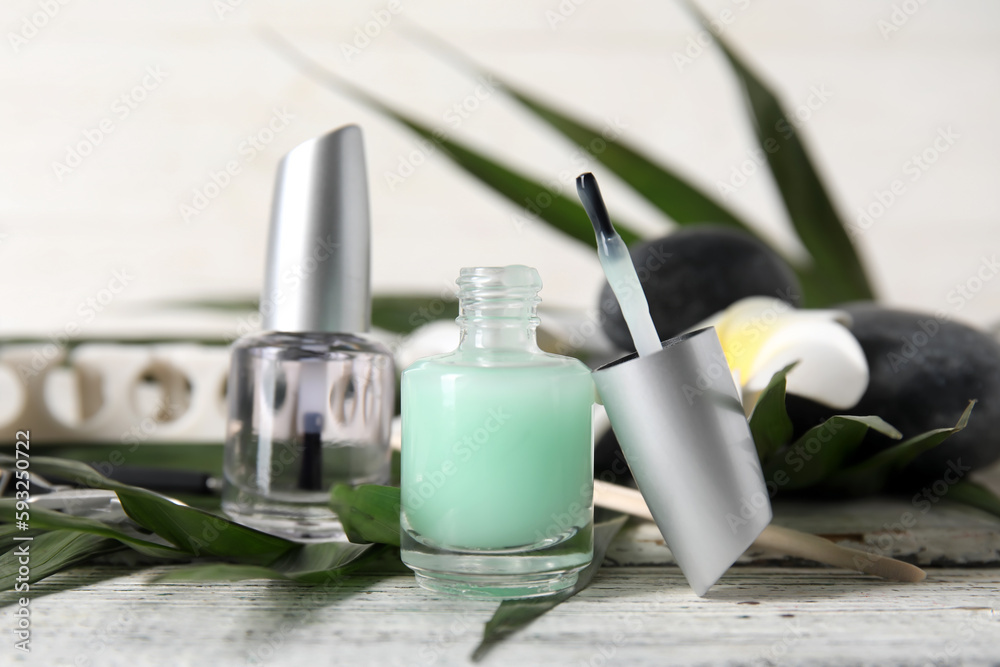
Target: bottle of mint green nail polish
x=497, y=454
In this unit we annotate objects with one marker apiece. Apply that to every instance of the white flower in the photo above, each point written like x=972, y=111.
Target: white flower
x=762, y=335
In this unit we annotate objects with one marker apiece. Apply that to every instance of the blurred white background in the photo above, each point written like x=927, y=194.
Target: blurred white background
x=182, y=85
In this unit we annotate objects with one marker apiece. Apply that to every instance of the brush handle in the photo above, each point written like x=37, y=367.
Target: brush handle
x=618, y=267
x=777, y=539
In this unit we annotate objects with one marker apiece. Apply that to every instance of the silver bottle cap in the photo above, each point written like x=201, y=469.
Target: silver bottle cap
x=678, y=418
x=317, y=277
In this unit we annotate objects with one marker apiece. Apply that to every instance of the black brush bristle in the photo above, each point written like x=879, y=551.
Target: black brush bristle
x=593, y=204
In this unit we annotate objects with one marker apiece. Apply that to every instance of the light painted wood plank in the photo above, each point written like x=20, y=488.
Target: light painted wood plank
x=629, y=616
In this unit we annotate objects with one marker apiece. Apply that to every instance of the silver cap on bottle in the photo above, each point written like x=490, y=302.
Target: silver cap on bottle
x=317, y=277
x=678, y=418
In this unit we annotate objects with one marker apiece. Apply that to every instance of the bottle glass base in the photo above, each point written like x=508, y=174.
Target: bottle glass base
x=295, y=521
x=490, y=575
x=486, y=587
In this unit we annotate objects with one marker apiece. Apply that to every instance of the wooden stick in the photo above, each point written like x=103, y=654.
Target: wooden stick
x=777, y=539
x=813, y=547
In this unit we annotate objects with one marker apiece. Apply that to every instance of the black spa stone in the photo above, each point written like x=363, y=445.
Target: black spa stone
x=924, y=371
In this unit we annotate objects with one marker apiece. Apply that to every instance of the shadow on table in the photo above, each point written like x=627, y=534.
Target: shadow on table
x=65, y=581
x=806, y=586
x=739, y=584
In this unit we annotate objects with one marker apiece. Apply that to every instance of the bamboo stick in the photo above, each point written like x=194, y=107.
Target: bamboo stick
x=777, y=539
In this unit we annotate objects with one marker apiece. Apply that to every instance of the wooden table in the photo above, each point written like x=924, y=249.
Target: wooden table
x=639, y=610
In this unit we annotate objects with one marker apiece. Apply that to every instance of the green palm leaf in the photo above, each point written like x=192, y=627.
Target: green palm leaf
x=822, y=451
x=870, y=476
x=770, y=424
x=563, y=213
x=837, y=273
x=53, y=552
x=658, y=184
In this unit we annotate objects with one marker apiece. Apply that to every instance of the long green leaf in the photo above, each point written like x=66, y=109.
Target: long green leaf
x=404, y=313
x=527, y=194
x=658, y=184
x=368, y=513
x=513, y=615
x=821, y=451
x=51, y=520
x=190, y=529
x=975, y=495
x=8, y=531
x=870, y=476
x=321, y=561
x=838, y=272
x=399, y=313
x=236, y=304
x=353, y=559
x=770, y=424
x=52, y=552
x=219, y=572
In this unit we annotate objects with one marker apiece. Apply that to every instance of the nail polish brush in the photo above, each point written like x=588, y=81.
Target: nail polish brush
x=676, y=412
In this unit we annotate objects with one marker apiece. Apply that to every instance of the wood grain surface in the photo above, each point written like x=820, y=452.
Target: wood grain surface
x=629, y=616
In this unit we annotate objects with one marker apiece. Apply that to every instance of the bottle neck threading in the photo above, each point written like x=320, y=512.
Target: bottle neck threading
x=497, y=309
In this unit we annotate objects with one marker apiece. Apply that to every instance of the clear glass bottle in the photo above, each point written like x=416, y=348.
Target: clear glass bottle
x=311, y=400
x=497, y=459
x=306, y=411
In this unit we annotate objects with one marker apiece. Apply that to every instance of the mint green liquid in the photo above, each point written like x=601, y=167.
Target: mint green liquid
x=497, y=461
x=496, y=457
